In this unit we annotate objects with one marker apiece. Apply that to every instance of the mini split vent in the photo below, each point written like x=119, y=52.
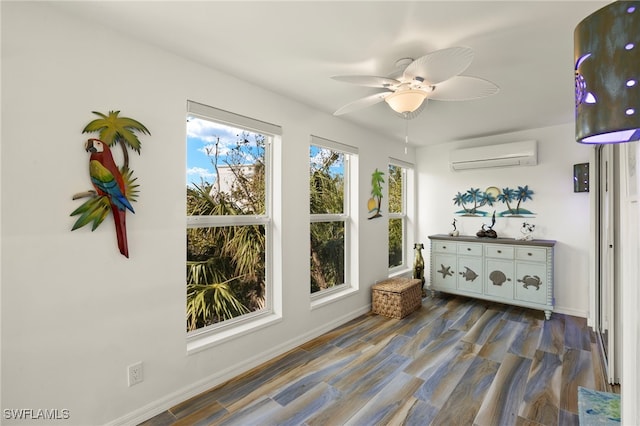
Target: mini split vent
x=504, y=155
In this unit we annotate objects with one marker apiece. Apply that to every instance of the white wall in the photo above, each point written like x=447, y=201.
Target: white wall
x=75, y=312
x=562, y=215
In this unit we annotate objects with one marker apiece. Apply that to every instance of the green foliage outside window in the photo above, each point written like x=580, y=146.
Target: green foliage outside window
x=395, y=242
x=327, y=240
x=395, y=224
x=327, y=255
x=226, y=264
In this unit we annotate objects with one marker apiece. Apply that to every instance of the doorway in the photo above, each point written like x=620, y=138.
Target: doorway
x=607, y=303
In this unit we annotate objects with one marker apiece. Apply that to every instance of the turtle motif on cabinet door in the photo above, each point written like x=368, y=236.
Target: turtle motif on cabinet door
x=533, y=281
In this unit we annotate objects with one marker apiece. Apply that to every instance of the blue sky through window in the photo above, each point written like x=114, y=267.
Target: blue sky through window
x=201, y=139
x=319, y=155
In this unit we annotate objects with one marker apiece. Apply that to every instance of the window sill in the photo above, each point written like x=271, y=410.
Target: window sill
x=408, y=272
x=330, y=298
x=215, y=337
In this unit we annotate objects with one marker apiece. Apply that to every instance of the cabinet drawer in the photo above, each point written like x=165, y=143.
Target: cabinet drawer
x=470, y=249
x=498, y=252
x=532, y=254
x=443, y=247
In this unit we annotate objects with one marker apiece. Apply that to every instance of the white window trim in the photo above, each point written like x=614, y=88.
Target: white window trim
x=205, y=337
x=350, y=284
x=407, y=215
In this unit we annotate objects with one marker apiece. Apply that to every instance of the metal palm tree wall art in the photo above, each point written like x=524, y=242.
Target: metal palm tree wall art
x=474, y=200
x=373, y=205
x=114, y=187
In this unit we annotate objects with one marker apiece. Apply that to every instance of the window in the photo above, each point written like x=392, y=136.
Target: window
x=331, y=239
x=229, y=225
x=399, y=184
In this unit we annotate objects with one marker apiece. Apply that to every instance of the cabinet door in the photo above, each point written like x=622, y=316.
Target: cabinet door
x=444, y=271
x=470, y=274
x=531, y=282
x=499, y=278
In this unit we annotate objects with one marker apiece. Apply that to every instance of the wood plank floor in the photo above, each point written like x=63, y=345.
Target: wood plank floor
x=456, y=361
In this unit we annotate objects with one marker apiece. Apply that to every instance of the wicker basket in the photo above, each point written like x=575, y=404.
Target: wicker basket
x=396, y=297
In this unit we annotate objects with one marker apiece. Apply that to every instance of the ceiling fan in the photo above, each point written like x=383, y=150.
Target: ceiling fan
x=434, y=76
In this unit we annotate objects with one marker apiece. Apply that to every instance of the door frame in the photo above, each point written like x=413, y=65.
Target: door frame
x=605, y=273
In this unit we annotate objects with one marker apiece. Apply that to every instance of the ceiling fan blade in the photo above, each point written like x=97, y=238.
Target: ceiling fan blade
x=362, y=103
x=463, y=88
x=440, y=65
x=367, y=80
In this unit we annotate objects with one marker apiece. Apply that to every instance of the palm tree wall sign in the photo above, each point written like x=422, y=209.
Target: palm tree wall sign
x=473, y=200
x=373, y=205
x=114, y=187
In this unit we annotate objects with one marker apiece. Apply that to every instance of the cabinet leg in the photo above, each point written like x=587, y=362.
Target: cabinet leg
x=547, y=315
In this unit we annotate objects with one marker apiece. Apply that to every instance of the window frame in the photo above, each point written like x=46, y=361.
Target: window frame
x=205, y=336
x=405, y=215
x=350, y=283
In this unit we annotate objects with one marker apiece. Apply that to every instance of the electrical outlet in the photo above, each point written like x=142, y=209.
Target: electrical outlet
x=135, y=373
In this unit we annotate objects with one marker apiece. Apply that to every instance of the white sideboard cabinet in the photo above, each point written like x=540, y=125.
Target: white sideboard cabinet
x=503, y=270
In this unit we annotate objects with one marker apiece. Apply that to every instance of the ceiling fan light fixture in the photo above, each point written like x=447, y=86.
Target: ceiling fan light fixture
x=406, y=101
x=434, y=76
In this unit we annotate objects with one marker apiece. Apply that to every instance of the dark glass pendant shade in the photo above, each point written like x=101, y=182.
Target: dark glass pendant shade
x=607, y=74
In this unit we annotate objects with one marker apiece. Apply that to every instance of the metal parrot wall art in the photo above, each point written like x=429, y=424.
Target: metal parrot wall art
x=115, y=187
x=108, y=182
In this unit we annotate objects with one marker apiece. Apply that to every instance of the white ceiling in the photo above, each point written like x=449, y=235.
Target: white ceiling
x=294, y=47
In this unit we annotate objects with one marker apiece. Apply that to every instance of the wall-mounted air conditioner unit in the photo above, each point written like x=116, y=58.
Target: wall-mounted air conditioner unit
x=509, y=154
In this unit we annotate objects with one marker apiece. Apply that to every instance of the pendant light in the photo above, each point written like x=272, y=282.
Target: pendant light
x=607, y=74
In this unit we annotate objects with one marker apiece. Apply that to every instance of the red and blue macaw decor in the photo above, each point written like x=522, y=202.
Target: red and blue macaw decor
x=114, y=187
x=108, y=182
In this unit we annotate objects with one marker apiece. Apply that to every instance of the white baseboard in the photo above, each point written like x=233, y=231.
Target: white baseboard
x=163, y=404
x=572, y=312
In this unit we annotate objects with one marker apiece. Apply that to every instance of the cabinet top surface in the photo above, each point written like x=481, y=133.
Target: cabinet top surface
x=511, y=241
